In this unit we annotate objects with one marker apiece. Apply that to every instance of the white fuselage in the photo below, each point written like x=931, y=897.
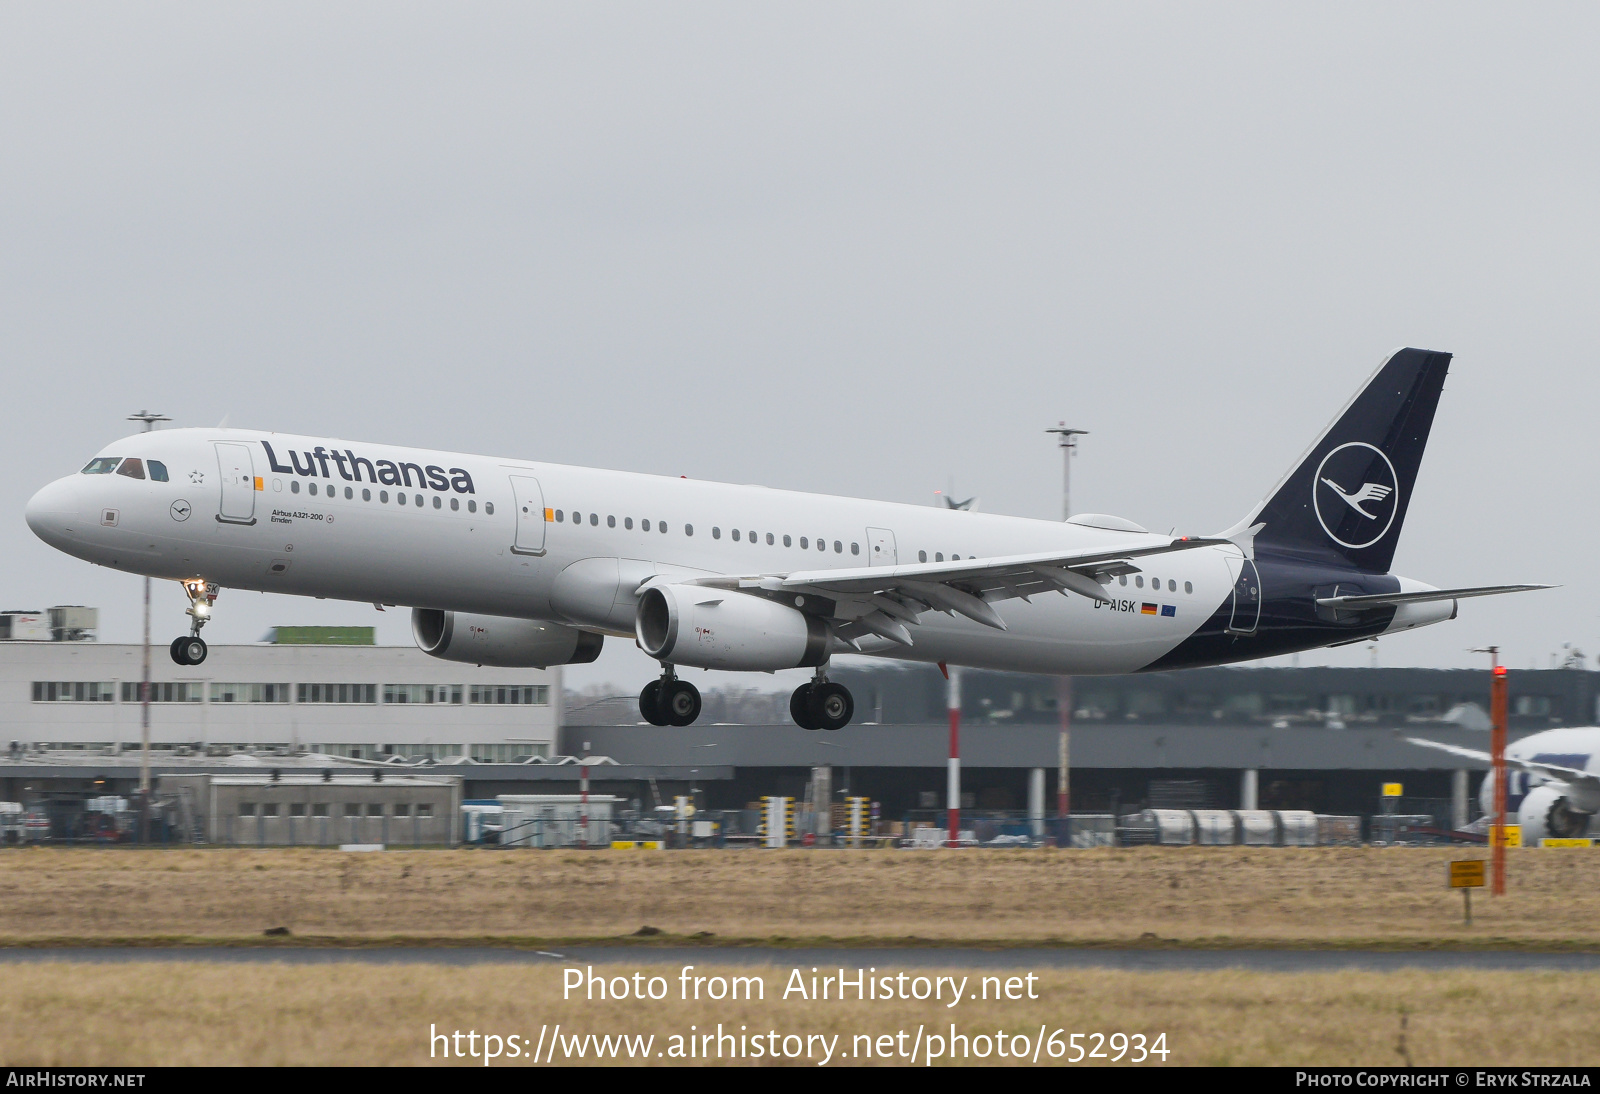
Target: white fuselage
x=463, y=539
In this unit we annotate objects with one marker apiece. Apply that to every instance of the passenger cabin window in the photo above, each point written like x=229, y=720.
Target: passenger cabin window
x=855, y=548
x=311, y=488
x=769, y=539
x=132, y=468
x=383, y=496
x=472, y=506
x=611, y=522
x=294, y=486
x=102, y=466
x=644, y=525
x=688, y=529
x=594, y=520
x=716, y=533
x=158, y=471
x=838, y=548
x=349, y=492
x=661, y=526
x=561, y=516
x=938, y=556
x=752, y=536
x=437, y=502
x=786, y=542
x=804, y=544
x=455, y=504
x=366, y=495
x=736, y=535
x=418, y=499
x=627, y=522
x=1188, y=586
x=488, y=508
x=1139, y=581
x=922, y=556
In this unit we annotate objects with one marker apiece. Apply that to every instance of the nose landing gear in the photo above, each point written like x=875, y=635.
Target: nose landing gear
x=821, y=704
x=191, y=649
x=669, y=701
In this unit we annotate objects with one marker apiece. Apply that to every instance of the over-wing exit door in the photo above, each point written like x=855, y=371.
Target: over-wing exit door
x=880, y=547
x=530, y=515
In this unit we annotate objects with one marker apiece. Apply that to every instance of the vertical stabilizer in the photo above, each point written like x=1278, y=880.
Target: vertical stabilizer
x=1346, y=499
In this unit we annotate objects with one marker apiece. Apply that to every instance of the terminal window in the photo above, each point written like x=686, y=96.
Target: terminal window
x=163, y=691
x=75, y=691
x=247, y=809
x=352, y=809
x=507, y=754
x=336, y=693
x=536, y=695
x=422, y=693
x=249, y=693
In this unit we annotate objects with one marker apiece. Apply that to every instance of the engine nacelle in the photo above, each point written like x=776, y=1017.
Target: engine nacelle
x=1546, y=811
x=501, y=641
x=717, y=629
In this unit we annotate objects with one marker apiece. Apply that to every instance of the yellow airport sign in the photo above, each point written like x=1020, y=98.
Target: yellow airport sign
x=1467, y=873
x=1392, y=790
x=1511, y=835
x=1580, y=841
x=636, y=845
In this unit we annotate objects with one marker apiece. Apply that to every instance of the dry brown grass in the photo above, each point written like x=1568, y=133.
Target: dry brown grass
x=1239, y=895
x=180, y=1013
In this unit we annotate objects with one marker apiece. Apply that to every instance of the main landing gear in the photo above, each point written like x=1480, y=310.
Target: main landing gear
x=821, y=705
x=669, y=701
x=191, y=649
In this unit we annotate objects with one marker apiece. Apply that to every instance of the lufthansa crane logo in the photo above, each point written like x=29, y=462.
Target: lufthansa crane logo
x=1356, y=495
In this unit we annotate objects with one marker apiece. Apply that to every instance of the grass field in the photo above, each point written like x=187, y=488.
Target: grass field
x=179, y=1013
x=1193, y=895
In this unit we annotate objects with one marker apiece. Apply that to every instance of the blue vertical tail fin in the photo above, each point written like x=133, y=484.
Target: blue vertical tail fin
x=1346, y=499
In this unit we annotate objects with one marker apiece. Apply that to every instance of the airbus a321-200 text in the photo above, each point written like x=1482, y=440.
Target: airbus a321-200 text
x=521, y=563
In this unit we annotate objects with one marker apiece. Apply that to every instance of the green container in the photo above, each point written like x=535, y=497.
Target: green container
x=323, y=636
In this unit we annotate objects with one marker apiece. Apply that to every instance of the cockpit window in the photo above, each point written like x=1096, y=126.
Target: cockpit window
x=103, y=465
x=132, y=468
x=158, y=470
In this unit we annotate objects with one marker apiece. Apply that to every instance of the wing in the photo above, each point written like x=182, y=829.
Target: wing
x=1549, y=771
x=887, y=600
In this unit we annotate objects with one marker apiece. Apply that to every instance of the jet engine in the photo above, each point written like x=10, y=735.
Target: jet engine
x=1547, y=811
x=717, y=629
x=500, y=641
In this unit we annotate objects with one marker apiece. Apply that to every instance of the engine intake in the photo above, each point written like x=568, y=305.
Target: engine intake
x=716, y=629
x=501, y=641
x=1548, y=812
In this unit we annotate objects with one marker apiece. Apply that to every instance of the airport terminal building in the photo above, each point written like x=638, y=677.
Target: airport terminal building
x=1314, y=739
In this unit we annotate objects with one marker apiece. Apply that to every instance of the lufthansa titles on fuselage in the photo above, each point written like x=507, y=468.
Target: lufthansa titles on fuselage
x=378, y=472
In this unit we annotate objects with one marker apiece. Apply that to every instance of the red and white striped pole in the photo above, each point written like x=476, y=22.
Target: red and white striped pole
x=583, y=800
x=953, y=787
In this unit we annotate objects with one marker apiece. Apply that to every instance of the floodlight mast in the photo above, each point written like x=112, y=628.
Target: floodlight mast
x=149, y=419
x=1068, y=440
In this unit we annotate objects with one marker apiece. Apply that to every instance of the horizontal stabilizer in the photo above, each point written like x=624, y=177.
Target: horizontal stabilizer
x=1376, y=600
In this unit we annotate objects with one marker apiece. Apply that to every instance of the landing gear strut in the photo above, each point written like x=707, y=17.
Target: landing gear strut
x=669, y=701
x=191, y=649
x=821, y=704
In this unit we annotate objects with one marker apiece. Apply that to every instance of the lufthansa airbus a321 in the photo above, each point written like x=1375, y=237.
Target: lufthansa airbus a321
x=522, y=563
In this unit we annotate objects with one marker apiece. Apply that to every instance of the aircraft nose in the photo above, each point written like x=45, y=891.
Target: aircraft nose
x=53, y=512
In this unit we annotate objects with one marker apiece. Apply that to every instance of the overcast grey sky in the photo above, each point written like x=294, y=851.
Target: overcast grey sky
x=854, y=248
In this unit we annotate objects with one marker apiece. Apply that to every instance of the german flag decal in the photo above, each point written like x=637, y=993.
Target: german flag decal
x=1148, y=609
